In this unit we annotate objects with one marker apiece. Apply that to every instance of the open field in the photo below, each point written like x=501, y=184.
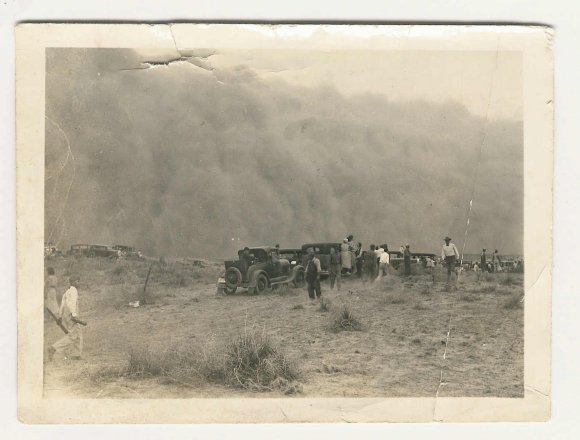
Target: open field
x=407, y=325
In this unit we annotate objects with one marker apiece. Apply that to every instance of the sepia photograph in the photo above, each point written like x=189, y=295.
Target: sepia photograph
x=289, y=220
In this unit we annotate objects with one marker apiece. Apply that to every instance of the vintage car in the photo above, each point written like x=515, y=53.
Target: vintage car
x=93, y=250
x=322, y=252
x=261, y=269
x=294, y=256
x=77, y=250
x=128, y=251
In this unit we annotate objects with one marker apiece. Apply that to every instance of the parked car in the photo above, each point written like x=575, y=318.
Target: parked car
x=93, y=250
x=259, y=270
x=294, y=256
x=322, y=252
x=77, y=250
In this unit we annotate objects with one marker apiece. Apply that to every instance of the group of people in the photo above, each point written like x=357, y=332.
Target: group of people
x=66, y=315
x=371, y=264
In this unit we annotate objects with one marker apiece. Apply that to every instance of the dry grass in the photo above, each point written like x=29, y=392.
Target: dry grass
x=396, y=298
x=253, y=362
x=250, y=361
x=513, y=302
x=324, y=305
x=346, y=321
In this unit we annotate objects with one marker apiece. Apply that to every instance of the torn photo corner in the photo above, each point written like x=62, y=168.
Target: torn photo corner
x=223, y=223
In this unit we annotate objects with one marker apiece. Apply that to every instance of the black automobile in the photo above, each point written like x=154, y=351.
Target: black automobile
x=258, y=269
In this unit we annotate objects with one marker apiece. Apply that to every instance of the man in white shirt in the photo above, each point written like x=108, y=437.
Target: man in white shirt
x=449, y=254
x=384, y=260
x=69, y=318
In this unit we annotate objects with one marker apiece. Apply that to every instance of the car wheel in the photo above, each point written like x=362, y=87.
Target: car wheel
x=261, y=283
x=233, y=278
x=299, y=279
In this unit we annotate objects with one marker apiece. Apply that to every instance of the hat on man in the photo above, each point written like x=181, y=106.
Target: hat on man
x=447, y=238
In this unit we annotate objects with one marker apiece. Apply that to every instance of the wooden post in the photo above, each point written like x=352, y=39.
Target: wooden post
x=144, y=295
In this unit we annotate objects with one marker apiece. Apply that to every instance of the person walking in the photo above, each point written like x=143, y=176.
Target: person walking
x=68, y=317
x=407, y=259
x=345, y=257
x=50, y=285
x=449, y=254
x=335, y=268
x=313, y=275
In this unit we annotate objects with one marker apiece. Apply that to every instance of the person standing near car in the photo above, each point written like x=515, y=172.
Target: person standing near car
x=345, y=256
x=335, y=268
x=449, y=254
x=313, y=275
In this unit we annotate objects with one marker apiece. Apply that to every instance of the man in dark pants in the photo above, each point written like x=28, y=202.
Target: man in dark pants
x=335, y=268
x=449, y=254
x=313, y=275
x=484, y=267
x=407, y=259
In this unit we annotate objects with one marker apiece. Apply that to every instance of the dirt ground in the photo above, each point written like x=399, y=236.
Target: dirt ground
x=418, y=337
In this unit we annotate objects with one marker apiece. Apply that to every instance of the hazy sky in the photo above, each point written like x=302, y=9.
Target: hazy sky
x=486, y=82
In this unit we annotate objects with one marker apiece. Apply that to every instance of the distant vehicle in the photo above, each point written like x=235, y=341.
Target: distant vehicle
x=94, y=250
x=263, y=269
x=77, y=250
x=322, y=252
x=128, y=251
x=396, y=258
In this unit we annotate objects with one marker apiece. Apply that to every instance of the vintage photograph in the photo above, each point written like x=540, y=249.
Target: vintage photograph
x=284, y=222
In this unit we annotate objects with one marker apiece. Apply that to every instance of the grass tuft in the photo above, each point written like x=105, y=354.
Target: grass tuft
x=346, y=321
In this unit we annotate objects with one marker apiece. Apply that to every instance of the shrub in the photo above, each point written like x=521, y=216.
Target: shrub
x=346, y=321
x=143, y=362
x=469, y=298
x=252, y=362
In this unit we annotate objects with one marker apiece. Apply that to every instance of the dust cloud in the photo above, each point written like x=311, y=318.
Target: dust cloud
x=186, y=160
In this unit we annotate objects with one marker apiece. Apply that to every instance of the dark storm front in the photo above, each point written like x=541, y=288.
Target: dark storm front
x=170, y=181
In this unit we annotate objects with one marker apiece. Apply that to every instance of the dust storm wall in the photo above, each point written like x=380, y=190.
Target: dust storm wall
x=182, y=160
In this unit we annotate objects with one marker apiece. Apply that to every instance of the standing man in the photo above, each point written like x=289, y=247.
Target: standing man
x=69, y=319
x=313, y=275
x=449, y=254
x=384, y=260
x=496, y=261
x=483, y=261
x=335, y=268
x=407, y=259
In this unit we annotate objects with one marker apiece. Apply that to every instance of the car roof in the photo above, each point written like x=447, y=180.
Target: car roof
x=304, y=246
